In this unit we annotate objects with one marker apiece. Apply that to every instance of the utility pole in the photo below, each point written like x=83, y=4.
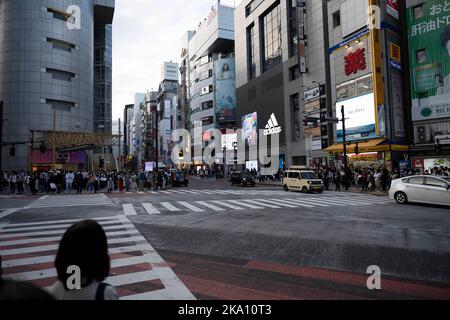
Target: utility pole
x=54, y=139
x=120, y=146
x=344, y=139
x=157, y=148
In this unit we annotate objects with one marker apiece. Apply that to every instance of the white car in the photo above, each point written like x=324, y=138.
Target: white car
x=421, y=189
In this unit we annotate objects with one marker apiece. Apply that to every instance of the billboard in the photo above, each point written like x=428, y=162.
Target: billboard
x=250, y=128
x=360, y=115
x=225, y=90
x=429, y=51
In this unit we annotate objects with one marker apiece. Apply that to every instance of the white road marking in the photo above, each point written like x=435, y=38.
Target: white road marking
x=128, y=209
x=228, y=205
x=307, y=202
x=190, y=206
x=150, y=208
x=265, y=204
x=169, y=207
x=278, y=202
x=210, y=206
x=242, y=203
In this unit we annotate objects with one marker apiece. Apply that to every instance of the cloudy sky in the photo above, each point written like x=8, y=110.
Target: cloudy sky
x=145, y=34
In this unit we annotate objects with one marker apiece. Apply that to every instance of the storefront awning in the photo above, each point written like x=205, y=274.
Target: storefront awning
x=376, y=145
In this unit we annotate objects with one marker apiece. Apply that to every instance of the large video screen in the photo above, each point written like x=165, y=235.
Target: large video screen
x=360, y=118
x=250, y=128
x=225, y=90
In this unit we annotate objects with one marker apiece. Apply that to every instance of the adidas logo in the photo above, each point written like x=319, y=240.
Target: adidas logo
x=272, y=126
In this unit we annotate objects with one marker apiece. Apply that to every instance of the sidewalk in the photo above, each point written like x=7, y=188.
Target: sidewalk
x=332, y=188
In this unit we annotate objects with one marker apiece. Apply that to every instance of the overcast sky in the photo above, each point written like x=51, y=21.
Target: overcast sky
x=145, y=34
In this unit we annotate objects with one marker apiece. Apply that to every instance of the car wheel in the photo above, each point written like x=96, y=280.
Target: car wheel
x=305, y=190
x=231, y=183
x=320, y=191
x=401, y=198
x=285, y=188
x=243, y=184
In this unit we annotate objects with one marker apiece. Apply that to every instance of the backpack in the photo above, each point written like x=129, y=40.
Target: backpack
x=100, y=293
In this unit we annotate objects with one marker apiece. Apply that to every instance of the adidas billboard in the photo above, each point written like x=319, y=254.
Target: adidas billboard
x=272, y=126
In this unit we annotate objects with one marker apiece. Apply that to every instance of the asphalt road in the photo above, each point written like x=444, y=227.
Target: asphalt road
x=214, y=241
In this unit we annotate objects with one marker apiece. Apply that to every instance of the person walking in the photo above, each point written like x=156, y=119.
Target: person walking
x=69, y=181
x=338, y=180
x=78, y=181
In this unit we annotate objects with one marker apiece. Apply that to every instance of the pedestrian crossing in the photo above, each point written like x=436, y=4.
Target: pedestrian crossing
x=57, y=201
x=137, y=271
x=208, y=206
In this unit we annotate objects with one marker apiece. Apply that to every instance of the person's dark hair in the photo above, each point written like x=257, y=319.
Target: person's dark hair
x=22, y=291
x=445, y=36
x=84, y=245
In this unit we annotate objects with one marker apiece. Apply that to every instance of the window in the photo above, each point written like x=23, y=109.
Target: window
x=271, y=30
x=336, y=19
x=436, y=183
x=421, y=56
x=251, y=52
x=294, y=175
x=60, y=74
x=418, y=11
x=295, y=103
x=294, y=73
x=61, y=45
x=252, y=6
x=416, y=180
x=60, y=105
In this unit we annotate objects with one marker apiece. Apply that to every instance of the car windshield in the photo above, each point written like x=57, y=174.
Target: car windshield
x=309, y=175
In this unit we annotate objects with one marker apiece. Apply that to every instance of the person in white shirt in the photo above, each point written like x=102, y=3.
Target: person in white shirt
x=83, y=245
x=69, y=181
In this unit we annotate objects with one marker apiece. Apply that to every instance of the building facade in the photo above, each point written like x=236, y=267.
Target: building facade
x=428, y=35
x=272, y=84
x=211, y=80
x=46, y=66
x=366, y=80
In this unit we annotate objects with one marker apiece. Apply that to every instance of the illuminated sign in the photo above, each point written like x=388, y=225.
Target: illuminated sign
x=272, y=126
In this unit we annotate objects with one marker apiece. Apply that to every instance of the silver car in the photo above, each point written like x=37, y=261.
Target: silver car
x=421, y=189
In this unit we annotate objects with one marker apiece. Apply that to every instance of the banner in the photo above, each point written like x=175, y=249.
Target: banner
x=429, y=51
x=392, y=8
x=225, y=91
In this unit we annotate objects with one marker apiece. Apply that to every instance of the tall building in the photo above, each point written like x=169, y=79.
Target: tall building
x=128, y=116
x=428, y=29
x=366, y=78
x=136, y=127
x=148, y=118
x=211, y=80
x=185, y=82
x=46, y=65
x=168, y=90
x=273, y=76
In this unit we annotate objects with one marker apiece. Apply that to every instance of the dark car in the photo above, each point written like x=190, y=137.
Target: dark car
x=243, y=179
x=178, y=178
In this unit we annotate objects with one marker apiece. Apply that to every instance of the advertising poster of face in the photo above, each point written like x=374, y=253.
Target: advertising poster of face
x=429, y=49
x=225, y=89
x=360, y=115
x=250, y=129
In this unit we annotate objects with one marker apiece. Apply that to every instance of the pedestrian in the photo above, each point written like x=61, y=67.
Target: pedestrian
x=84, y=245
x=78, y=181
x=69, y=181
x=337, y=180
x=110, y=184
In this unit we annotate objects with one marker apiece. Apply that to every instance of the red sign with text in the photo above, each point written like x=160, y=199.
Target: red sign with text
x=355, y=61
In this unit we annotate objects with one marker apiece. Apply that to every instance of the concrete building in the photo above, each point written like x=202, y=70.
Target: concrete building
x=185, y=82
x=136, y=129
x=128, y=115
x=366, y=78
x=270, y=81
x=47, y=64
x=148, y=119
x=211, y=80
x=428, y=57
x=168, y=90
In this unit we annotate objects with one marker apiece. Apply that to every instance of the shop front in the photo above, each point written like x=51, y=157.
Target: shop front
x=424, y=164
x=377, y=153
x=64, y=160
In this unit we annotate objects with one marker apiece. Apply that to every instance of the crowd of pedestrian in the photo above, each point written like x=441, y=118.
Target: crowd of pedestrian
x=66, y=181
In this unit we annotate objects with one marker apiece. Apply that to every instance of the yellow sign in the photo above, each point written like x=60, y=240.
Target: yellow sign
x=395, y=52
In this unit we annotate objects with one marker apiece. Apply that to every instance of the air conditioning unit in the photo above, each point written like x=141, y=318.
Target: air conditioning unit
x=422, y=134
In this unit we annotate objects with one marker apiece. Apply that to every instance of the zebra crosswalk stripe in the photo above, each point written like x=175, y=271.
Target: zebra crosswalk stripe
x=242, y=203
x=170, y=207
x=150, y=208
x=228, y=205
x=307, y=201
x=128, y=210
x=210, y=206
x=190, y=206
x=265, y=204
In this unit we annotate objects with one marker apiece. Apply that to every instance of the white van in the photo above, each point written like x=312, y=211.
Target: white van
x=300, y=178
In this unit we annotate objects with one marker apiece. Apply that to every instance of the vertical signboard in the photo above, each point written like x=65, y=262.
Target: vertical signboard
x=392, y=8
x=302, y=44
x=377, y=62
x=225, y=89
x=429, y=51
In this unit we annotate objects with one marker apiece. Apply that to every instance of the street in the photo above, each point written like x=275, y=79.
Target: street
x=214, y=241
